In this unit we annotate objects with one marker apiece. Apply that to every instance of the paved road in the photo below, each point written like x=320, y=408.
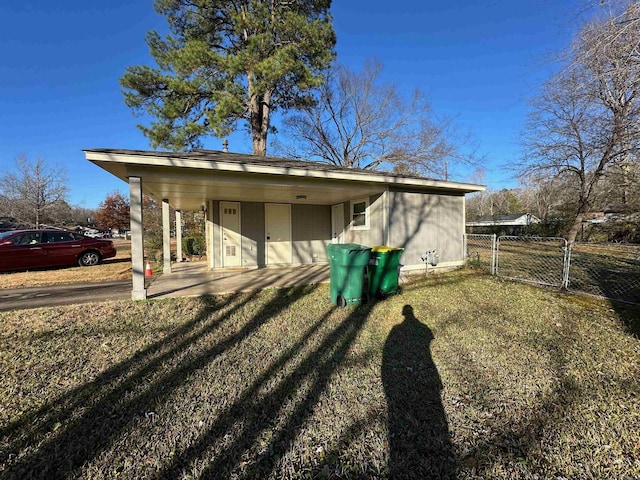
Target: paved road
x=50, y=296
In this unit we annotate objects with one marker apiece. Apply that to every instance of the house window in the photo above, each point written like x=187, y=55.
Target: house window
x=360, y=214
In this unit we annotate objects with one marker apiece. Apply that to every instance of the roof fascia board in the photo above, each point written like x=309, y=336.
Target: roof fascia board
x=176, y=161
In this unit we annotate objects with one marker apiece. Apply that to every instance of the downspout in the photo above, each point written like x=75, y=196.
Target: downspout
x=464, y=229
x=385, y=217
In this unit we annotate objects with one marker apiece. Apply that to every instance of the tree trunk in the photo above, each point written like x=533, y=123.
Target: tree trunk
x=259, y=111
x=575, y=228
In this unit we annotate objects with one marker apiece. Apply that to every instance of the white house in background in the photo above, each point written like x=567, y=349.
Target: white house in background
x=266, y=211
x=511, y=220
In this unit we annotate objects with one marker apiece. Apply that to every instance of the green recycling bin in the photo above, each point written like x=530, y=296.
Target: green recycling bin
x=347, y=263
x=383, y=271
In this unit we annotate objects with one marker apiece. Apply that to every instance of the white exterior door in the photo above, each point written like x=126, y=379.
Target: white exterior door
x=277, y=233
x=337, y=223
x=231, y=234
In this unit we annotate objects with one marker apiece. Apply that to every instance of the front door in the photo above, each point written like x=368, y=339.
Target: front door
x=231, y=234
x=337, y=223
x=278, y=233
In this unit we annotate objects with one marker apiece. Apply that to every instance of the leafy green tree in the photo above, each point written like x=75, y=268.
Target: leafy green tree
x=152, y=226
x=226, y=61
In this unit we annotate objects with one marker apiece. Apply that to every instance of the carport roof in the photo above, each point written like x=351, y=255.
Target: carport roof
x=188, y=179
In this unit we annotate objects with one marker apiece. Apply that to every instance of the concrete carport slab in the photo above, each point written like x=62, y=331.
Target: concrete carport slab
x=194, y=279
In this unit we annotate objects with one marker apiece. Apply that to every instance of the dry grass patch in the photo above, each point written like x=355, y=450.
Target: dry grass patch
x=462, y=377
x=112, y=269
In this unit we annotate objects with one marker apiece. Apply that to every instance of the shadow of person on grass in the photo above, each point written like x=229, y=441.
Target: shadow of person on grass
x=419, y=443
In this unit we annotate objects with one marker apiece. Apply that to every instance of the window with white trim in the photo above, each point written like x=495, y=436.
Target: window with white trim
x=360, y=214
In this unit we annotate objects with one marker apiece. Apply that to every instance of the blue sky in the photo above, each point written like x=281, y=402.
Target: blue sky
x=477, y=60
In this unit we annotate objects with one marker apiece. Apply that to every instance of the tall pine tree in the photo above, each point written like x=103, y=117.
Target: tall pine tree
x=226, y=61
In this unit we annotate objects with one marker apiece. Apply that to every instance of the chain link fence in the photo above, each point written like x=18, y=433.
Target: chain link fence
x=532, y=259
x=481, y=252
x=605, y=270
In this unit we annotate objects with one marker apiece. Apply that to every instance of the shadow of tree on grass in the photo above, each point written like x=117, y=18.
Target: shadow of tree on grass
x=248, y=435
x=72, y=430
x=276, y=415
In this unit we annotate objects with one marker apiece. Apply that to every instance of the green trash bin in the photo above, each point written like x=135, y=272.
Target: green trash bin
x=384, y=268
x=347, y=263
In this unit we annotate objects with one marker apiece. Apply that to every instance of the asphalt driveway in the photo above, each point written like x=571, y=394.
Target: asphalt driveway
x=50, y=296
x=187, y=279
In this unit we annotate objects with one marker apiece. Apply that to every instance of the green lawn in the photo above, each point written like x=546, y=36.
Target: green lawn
x=463, y=376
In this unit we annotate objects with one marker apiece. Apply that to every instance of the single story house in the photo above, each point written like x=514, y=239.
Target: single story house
x=610, y=213
x=511, y=224
x=265, y=211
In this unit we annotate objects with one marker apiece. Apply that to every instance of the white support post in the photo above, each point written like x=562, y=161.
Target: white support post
x=166, y=238
x=178, y=236
x=209, y=233
x=139, y=291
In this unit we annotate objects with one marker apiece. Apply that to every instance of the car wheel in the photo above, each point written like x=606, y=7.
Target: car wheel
x=88, y=259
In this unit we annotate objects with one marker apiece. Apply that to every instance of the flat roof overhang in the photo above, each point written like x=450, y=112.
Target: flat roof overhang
x=188, y=182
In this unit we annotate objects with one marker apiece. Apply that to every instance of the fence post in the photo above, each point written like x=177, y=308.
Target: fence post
x=493, y=254
x=567, y=265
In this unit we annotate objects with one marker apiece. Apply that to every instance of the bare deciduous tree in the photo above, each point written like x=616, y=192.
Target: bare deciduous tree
x=586, y=119
x=359, y=123
x=495, y=202
x=82, y=216
x=541, y=196
x=34, y=189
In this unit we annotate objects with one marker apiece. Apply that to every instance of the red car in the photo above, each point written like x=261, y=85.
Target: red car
x=27, y=249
